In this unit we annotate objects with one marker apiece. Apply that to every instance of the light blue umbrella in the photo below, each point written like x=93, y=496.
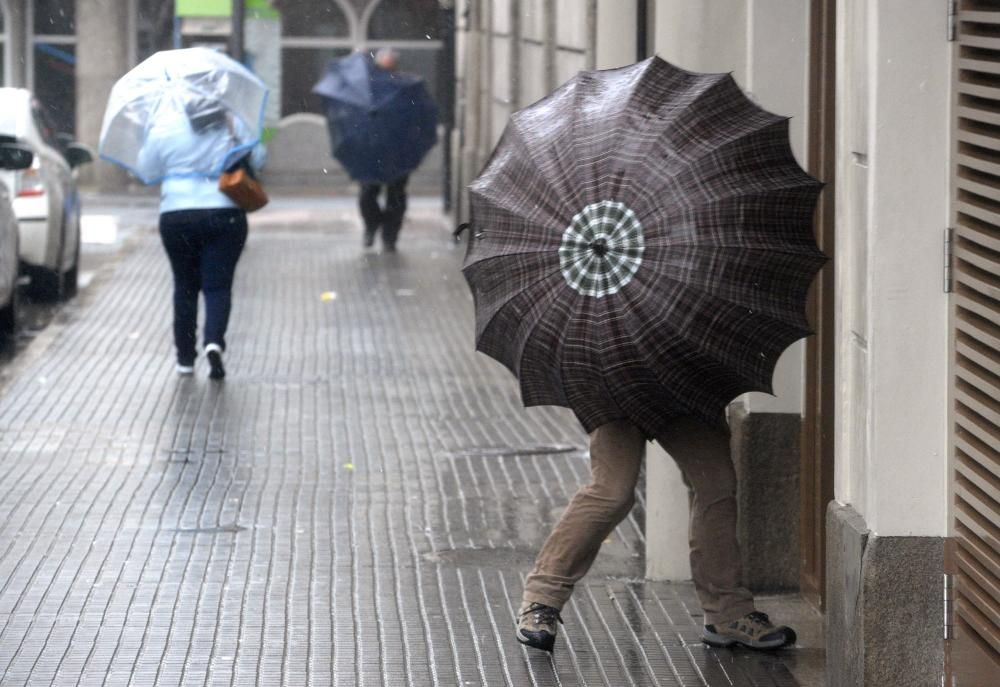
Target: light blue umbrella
x=200, y=107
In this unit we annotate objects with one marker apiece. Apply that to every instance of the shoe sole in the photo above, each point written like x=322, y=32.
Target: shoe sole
x=720, y=642
x=546, y=646
x=218, y=371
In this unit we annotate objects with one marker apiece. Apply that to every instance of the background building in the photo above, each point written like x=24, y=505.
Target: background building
x=882, y=442
x=70, y=53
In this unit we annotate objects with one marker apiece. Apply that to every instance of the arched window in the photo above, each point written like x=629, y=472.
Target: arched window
x=313, y=32
x=413, y=20
x=413, y=28
x=325, y=18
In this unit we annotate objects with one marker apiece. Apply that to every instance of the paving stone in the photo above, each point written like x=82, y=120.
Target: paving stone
x=357, y=504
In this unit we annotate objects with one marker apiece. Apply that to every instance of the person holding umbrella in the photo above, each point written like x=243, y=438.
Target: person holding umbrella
x=642, y=250
x=181, y=119
x=382, y=123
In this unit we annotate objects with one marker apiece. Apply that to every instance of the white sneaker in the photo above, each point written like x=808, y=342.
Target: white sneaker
x=213, y=352
x=185, y=370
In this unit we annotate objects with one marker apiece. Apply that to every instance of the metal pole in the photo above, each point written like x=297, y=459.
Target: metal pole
x=236, y=33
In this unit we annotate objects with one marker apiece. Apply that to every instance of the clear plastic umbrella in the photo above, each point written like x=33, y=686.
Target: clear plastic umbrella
x=205, y=107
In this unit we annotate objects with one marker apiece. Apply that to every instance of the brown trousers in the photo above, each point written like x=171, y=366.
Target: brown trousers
x=616, y=452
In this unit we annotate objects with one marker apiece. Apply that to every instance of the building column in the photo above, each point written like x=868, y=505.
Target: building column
x=102, y=57
x=17, y=37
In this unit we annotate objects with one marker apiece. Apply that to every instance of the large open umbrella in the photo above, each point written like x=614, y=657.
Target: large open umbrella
x=643, y=246
x=382, y=123
x=173, y=93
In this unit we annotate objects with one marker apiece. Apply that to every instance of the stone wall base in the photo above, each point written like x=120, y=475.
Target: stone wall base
x=884, y=618
x=766, y=454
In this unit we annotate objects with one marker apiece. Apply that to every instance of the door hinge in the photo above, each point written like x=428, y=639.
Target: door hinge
x=949, y=606
x=952, y=19
x=949, y=259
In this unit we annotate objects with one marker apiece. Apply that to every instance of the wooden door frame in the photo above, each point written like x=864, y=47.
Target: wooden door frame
x=817, y=445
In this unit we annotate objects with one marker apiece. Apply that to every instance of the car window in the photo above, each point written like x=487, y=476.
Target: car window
x=45, y=126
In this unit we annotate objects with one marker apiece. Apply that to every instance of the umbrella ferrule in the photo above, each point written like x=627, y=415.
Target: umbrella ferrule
x=600, y=247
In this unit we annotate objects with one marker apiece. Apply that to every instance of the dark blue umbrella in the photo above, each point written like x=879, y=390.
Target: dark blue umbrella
x=382, y=123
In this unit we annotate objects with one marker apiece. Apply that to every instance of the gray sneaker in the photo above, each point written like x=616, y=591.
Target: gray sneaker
x=753, y=630
x=536, y=625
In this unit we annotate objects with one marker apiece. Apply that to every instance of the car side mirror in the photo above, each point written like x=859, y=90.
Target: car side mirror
x=78, y=154
x=14, y=156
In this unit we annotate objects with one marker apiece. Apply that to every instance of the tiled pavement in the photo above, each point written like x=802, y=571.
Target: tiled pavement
x=356, y=504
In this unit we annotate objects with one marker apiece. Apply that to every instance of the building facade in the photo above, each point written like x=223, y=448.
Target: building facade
x=70, y=53
x=879, y=452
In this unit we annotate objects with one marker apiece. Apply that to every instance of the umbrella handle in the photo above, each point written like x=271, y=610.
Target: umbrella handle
x=459, y=229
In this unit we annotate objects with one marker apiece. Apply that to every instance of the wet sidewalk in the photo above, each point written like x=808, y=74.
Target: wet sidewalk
x=356, y=505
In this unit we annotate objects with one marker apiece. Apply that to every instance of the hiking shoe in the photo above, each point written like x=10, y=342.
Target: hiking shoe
x=217, y=370
x=753, y=630
x=536, y=625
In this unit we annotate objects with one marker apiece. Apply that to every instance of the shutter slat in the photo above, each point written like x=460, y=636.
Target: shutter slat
x=977, y=353
x=988, y=237
x=979, y=188
x=980, y=164
x=986, y=585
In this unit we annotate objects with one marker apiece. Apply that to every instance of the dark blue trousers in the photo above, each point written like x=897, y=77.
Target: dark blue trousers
x=204, y=247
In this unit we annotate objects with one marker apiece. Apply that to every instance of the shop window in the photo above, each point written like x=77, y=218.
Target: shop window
x=55, y=84
x=411, y=20
x=302, y=68
x=54, y=17
x=314, y=19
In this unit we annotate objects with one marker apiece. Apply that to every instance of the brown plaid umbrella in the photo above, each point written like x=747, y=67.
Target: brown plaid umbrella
x=642, y=246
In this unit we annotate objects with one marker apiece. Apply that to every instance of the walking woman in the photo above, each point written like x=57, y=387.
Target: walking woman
x=180, y=119
x=202, y=229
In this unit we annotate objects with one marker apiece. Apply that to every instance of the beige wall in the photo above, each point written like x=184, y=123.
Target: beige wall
x=892, y=208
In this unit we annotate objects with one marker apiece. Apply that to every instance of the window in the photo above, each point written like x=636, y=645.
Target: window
x=54, y=17
x=53, y=60
x=325, y=19
x=413, y=20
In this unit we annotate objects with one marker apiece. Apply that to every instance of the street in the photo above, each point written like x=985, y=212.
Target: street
x=357, y=503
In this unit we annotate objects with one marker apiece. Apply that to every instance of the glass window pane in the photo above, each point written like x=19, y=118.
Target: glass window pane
x=55, y=17
x=55, y=84
x=410, y=20
x=301, y=68
x=324, y=19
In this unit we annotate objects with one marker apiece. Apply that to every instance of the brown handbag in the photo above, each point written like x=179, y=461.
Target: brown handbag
x=243, y=188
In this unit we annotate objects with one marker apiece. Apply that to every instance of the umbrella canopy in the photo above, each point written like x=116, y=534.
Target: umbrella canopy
x=382, y=123
x=642, y=246
x=209, y=107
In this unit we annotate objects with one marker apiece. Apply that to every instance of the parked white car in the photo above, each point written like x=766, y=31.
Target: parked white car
x=12, y=157
x=46, y=200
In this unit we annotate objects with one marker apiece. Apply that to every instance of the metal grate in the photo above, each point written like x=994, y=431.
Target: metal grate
x=976, y=343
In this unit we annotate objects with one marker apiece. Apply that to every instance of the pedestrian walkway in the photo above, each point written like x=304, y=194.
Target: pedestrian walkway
x=356, y=505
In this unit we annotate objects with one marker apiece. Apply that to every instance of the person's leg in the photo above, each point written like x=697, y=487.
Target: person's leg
x=395, y=209
x=225, y=236
x=703, y=456
x=182, y=244
x=371, y=212
x=616, y=452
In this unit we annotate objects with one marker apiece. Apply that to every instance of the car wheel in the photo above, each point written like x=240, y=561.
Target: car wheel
x=8, y=316
x=46, y=284
x=70, y=278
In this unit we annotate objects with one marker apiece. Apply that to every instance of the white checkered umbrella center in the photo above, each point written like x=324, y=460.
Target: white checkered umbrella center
x=601, y=249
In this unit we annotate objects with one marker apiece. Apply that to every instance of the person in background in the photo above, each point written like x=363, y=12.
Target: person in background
x=390, y=217
x=203, y=231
